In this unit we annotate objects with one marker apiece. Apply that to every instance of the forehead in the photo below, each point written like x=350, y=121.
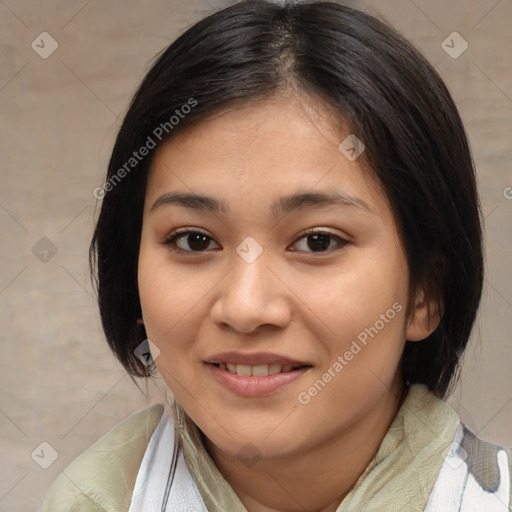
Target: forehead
x=261, y=151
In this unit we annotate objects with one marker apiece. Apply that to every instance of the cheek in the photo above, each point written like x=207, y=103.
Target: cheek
x=356, y=294
x=172, y=302
x=364, y=309
x=167, y=305
x=166, y=291
x=158, y=293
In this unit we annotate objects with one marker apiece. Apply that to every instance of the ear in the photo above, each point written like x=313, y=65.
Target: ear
x=423, y=319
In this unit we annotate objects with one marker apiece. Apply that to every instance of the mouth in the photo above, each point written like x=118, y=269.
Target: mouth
x=252, y=381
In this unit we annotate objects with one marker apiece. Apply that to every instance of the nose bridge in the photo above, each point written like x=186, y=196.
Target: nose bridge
x=251, y=295
x=249, y=278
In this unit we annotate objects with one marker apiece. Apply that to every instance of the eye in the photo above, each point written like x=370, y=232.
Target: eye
x=197, y=241
x=320, y=241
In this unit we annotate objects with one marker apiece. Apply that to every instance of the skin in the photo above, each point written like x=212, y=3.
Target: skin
x=292, y=300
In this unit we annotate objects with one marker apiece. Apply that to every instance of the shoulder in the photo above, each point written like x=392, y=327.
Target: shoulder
x=102, y=477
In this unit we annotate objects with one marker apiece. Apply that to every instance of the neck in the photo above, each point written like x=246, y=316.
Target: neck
x=317, y=479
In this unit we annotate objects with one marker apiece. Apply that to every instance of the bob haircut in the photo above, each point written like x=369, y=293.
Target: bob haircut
x=384, y=91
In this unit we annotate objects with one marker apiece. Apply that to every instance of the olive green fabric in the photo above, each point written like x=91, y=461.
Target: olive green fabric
x=400, y=476
x=102, y=477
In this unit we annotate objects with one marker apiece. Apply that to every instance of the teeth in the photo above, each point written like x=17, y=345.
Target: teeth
x=274, y=368
x=243, y=369
x=260, y=370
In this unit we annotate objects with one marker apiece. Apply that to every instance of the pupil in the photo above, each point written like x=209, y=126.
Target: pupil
x=197, y=242
x=319, y=241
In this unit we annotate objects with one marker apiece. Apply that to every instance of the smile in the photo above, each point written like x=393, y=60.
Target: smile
x=255, y=381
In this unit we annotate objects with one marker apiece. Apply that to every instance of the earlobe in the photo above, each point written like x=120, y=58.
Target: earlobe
x=423, y=320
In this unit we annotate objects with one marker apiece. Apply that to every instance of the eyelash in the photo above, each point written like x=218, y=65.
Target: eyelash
x=171, y=239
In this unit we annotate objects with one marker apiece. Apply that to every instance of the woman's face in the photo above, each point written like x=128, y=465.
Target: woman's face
x=251, y=286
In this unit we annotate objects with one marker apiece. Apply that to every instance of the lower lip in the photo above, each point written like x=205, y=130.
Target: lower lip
x=251, y=386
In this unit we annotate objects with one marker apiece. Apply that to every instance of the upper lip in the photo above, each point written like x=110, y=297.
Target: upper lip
x=255, y=359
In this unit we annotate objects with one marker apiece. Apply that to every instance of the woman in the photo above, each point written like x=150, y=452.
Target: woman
x=291, y=235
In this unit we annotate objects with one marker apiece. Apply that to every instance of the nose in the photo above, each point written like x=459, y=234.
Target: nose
x=251, y=296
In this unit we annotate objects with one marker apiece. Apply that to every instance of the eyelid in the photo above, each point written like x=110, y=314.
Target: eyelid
x=174, y=235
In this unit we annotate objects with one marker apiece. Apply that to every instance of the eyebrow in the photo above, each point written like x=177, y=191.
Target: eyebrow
x=280, y=207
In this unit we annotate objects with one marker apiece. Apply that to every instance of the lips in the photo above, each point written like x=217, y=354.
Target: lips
x=257, y=374
x=251, y=385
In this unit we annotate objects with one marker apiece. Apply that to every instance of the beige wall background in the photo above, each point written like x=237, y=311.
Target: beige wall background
x=59, y=115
